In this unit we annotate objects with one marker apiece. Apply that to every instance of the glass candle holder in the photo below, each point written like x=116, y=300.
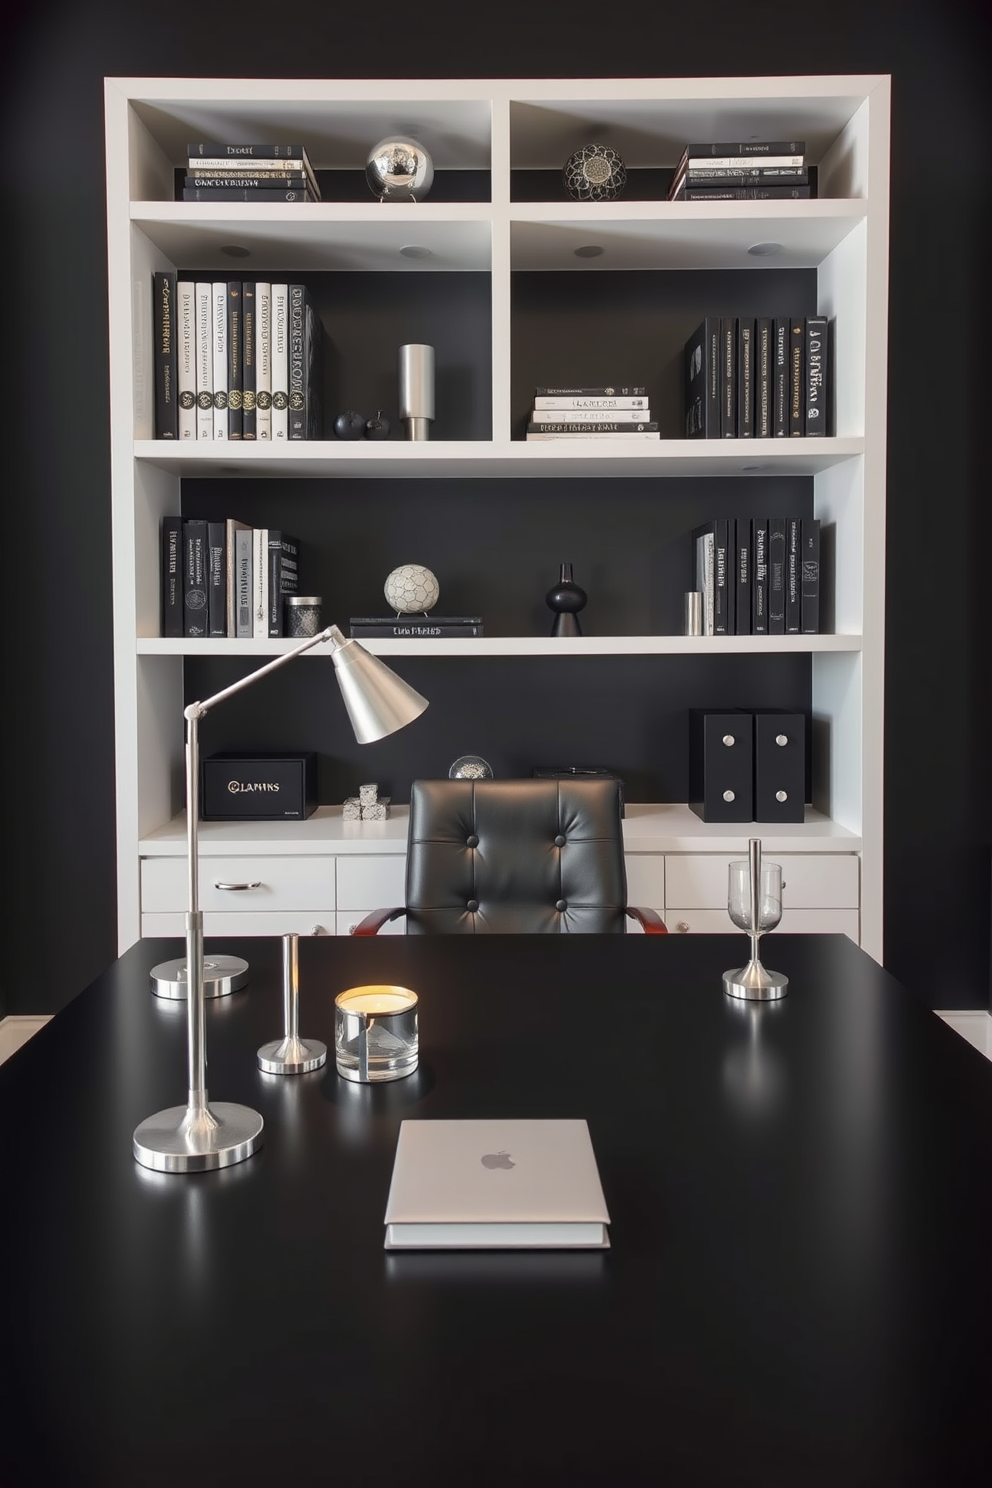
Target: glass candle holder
x=376, y=1036
x=302, y=614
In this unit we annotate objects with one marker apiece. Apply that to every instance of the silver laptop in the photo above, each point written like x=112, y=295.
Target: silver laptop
x=494, y=1184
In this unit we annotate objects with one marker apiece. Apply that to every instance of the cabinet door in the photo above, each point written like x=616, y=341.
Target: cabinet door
x=645, y=885
x=368, y=881
x=810, y=880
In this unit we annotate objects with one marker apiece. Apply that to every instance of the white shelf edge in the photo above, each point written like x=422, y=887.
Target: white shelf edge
x=522, y=646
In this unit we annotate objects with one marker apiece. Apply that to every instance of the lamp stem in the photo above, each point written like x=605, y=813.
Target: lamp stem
x=196, y=1026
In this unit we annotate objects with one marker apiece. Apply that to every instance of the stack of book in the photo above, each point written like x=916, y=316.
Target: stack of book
x=262, y=173
x=225, y=578
x=236, y=359
x=758, y=377
x=608, y=412
x=742, y=170
x=758, y=575
x=416, y=627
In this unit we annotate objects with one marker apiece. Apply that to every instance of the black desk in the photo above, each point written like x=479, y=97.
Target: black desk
x=799, y=1290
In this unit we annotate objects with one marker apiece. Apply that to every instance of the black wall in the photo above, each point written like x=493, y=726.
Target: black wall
x=60, y=908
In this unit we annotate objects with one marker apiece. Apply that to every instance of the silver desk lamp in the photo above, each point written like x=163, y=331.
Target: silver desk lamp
x=199, y=1136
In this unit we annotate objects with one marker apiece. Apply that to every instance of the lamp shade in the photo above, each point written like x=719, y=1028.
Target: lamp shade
x=378, y=701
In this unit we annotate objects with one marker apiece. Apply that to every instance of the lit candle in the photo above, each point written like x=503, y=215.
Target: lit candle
x=374, y=1001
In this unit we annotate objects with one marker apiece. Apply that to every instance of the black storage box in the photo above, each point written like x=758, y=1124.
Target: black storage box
x=578, y=772
x=721, y=765
x=258, y=787
x=779, y=766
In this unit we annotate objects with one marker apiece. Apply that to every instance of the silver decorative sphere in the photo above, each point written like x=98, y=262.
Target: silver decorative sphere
x=470, y=767
x=399, y=169
x=411, y=589
x=594, y=173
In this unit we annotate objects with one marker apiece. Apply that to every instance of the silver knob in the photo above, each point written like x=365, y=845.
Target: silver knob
x=781, y=795
x=682, y=927
x=729, y=796
x=729, y=739
x=781, y=739
x=316, y=929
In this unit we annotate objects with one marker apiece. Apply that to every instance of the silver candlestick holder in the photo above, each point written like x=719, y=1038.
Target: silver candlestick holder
x=754, y=903
x=291, y=1055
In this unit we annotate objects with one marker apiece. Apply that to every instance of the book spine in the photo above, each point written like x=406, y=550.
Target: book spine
x=245, y=571
x=591, y=392
x=744, y=193
x=701, y=358
x=815, y=375
x=728, y=377
x=297, y=362
x=810, y=577
x=235, y=360
x=780, y=377
x=776, y=576
x=280, y=361
x=587, y=433
x=216, y=579
x=590, y=415
x=771, y=172
x=246, y=194
x=745, y=378
x=793, y=547
x=749, y=148
x=166, y=392
x=759, y=576
x=742, y=576
x=194, y=577
x=703, y=544
x=399, y=631
x=284, y=554
x=219, y=352
x=598, y=426
x=186, y=357
x=797, y=402
x=227, y=153
x=263, y=360
x=763, y=377
x=232, y=531
x=723, y=587
x=590, y=405
x=248, y=359
x=204, y=362
x=313, y=374
x=266, y=180
x=173, y=621
x=260, y=582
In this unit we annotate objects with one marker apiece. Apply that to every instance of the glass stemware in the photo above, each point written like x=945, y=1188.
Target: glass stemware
x=754, y=903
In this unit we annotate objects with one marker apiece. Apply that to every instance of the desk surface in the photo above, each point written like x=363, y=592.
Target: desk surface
x=799, y=1289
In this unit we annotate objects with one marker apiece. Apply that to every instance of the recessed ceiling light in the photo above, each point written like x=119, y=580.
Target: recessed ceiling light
x=760, y=250
x=591, y=250
x=415, y=250
x=233, y=250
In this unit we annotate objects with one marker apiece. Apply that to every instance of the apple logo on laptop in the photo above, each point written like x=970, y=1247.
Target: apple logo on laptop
x=499, y=1159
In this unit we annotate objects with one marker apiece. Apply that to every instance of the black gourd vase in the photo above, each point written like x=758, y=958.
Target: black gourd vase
x=566, y=599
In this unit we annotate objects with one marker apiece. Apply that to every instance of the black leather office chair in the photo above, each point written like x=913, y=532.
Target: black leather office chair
x=515, y=857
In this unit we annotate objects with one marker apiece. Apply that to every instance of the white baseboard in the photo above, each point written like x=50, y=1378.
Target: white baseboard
x=973, y=1025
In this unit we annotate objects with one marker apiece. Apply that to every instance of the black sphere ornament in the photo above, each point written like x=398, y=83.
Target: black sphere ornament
x=594, y=173
x=349, y=425
x=566, y=599
x=378, y=427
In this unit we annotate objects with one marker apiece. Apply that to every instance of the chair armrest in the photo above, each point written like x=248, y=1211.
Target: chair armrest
x=373, y=922
x=649, y=919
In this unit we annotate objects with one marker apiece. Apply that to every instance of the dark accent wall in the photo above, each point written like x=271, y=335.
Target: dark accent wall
x=58, y=684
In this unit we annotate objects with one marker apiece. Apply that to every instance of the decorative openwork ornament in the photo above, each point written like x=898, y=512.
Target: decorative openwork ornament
x=594, y=173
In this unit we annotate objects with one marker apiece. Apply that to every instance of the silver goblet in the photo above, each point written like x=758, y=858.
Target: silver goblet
x=754, y=903
x=399, y=169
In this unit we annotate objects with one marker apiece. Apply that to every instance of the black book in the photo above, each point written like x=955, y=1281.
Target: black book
x=211, y=151
x=235, y=360
x=776, y=576
x=723, y=192
x=759, y=576
x=724, y=586
x=763, y=349
x=248, y=335
x=166, y=392
x=742, y=576
x=810, y=577
x=404, y=627
x=728, y=377
x=761, y=175
x=172, y=577
x=247, y=193
x=737, y=148
x=701, y=362
x=704, y=571
x=216, y=579
x=745, y=377
x=264, y=180
x=793, y=545
x=816, y=367
x=295, y=339
x=284, y=576
x=780, y=377
x=313, y=376
x=195, y=570
x=797, y=402
x=591, y=392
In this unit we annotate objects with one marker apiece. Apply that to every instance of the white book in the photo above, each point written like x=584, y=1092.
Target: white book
x=280, y=361
x=260, y=582
x=705, y=557
x=590, y=415
x=263, y=360
x=204, y=362
x=524, y=1185
x=244, y=555
x=607, y=403
x=633, y=434
x=741, y=162
x=233, y=532
x=219, y=350
x=186, y=358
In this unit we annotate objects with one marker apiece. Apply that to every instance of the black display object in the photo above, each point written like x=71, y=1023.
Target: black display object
x=721, y=758
x=566, y=599
x=779, y=766
x=258, y=787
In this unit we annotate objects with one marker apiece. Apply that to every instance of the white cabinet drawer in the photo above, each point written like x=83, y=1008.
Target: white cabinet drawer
x=280, y=884
x=800, y=921
x=646, y=880
x=316, y=922
x=372, y=881
x=811, y=880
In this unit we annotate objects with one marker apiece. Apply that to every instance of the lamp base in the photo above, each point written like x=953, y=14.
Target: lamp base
x=187, y=1140
x=755, y=983
x=221, y=975
x=291, y=1056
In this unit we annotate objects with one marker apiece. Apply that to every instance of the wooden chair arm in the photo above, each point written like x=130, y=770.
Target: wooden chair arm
x=649, y=919
x=373, y=922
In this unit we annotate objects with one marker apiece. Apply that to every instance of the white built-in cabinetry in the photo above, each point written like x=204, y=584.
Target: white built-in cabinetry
x=324, y=873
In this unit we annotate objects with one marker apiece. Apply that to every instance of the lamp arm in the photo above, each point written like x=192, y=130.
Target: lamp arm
x=332, y=633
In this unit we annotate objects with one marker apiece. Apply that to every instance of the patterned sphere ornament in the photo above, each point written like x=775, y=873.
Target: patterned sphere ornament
x=399, y=169
x=594, y=173
x=412, y=589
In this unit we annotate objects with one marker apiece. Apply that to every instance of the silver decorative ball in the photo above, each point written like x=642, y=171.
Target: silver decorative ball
x=399, y=169
x=594, y=173
x=411, y=589
x=470, y=767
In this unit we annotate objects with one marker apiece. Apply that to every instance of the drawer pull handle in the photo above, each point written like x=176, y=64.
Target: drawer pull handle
x=256, y=885
x=316, y=930
x=682, y=927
